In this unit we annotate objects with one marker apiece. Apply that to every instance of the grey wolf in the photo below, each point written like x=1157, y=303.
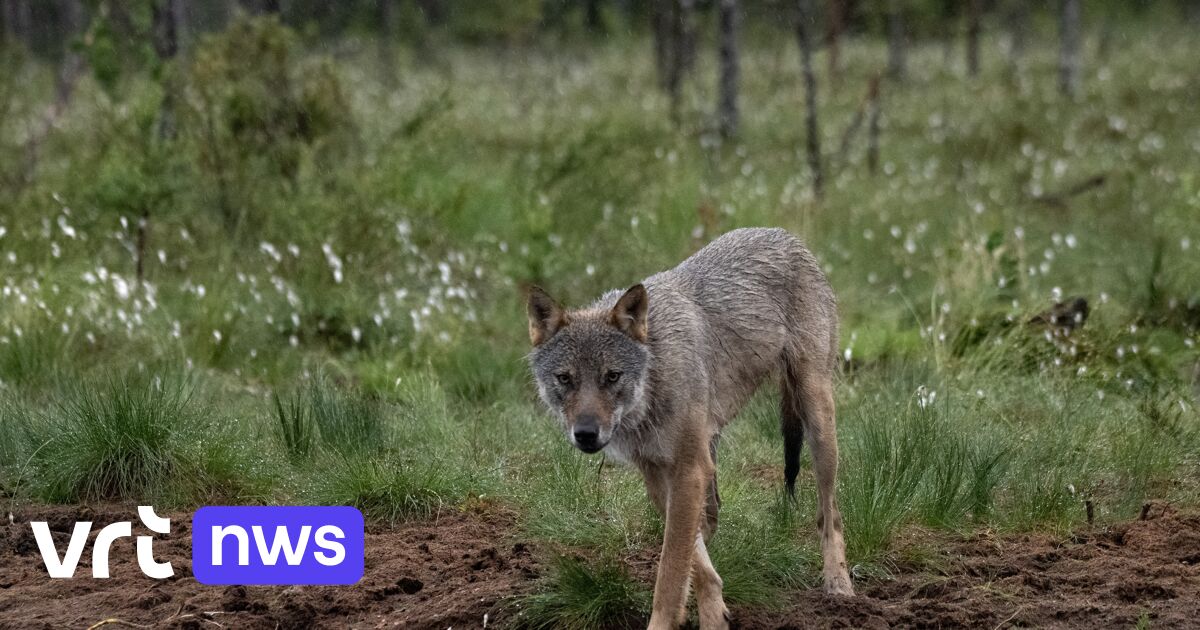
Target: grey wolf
x=651, y=375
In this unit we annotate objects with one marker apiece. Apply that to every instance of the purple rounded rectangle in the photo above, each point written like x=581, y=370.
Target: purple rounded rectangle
x=253, y=545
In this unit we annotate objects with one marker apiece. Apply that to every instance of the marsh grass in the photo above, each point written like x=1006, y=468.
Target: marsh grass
x=347, y=422
x=581, y=594
x=132, y=438
x=297, y=430
x=391, y=488
x=31, y=359
x=15, y=440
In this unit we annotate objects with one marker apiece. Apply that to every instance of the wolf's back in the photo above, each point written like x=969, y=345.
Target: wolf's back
x=758, y=280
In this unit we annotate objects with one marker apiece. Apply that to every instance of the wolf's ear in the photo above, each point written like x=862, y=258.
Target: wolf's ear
x=546, y=317
x=629, y=315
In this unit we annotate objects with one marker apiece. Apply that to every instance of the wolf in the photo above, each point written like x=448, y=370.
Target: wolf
x=651, y=376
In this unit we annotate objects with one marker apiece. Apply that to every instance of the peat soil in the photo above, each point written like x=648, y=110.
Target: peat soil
x=1119, y=576
x=448, y=571
x=457, y=568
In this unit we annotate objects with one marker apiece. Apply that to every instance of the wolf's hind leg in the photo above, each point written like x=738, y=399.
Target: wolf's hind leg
x=706, y=583
x=712, y=503
x=808, y=399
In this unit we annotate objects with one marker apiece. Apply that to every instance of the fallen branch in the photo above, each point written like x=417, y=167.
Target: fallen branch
x=1059, y=199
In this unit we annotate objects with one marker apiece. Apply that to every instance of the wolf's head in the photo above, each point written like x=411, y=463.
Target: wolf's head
x=590, y=365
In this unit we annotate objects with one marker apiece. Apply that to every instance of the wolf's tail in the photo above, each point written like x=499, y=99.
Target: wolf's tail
x=793, y=441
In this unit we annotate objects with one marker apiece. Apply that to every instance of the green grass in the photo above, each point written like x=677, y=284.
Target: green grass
x=357, y=336
x=391, y=488
x=129, y=439
x=581, y=594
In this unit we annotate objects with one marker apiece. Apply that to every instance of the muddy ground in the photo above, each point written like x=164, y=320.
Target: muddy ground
x=453, y=570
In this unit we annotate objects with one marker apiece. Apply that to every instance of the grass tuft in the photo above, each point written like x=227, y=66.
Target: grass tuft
x=583, y=594
x=295, y=425
x=135, y=439
x=390, y=488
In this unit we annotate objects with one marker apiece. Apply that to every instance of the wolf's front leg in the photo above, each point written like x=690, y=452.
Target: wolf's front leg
x=709, y=602
x=685, y=497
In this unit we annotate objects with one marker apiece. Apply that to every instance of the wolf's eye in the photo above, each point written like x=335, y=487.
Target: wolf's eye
x=612, y=377
x=564, y=379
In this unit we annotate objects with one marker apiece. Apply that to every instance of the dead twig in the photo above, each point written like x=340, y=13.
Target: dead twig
x=202, y=616
x=1010, y=618
x=1059, y=199
x=116, y=622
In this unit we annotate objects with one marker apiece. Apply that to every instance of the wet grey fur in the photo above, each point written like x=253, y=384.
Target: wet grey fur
x=720, y=323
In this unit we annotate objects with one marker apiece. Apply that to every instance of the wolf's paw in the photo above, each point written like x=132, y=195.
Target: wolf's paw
x=659, y=622
x=838, y=584
x=714, y=615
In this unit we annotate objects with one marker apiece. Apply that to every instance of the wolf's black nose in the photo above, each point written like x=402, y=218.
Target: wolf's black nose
x=587, y=433
x=587, y=439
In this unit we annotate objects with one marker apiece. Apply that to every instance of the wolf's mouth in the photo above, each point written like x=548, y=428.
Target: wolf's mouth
x=591, y=448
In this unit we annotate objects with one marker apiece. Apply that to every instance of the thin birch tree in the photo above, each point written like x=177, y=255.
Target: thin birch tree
x=804, y=18
x=727, y=83
x=1068, y=58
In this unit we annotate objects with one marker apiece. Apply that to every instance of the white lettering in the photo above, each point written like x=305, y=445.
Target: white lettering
x=66, y=567
x=338, y=549
x=282, y=541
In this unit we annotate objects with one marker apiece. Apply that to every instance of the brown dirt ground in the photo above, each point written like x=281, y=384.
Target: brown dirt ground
x=454, y=569
x=447, y=571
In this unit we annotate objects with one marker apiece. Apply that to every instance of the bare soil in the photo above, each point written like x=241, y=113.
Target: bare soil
x=1102, y=577
x=449, y=571
x=453, y=570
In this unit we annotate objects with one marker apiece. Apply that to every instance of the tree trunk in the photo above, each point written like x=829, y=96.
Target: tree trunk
x=143, y=227
x=18, y=21
x=661, y=19
x=72, y=62
x=388, y=22
x=1107, y=32
x=973, y=28
x=434, y=12
x=1018, y=29
x=804, y=16
x=683, y=53
x=897, y=53
x=166, y=31
x=727, y=106
x=875, y=108
x=837, y=23
x=593, y=19
x=8, y=13
x=685, y=43
x=166, y=46
x=260, y=7
x=1068, y=59
x=179, y=15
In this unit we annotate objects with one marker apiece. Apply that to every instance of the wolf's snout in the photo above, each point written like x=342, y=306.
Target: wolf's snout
x=587, y=433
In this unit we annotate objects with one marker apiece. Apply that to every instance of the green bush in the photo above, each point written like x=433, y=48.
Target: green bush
x=255, y=113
